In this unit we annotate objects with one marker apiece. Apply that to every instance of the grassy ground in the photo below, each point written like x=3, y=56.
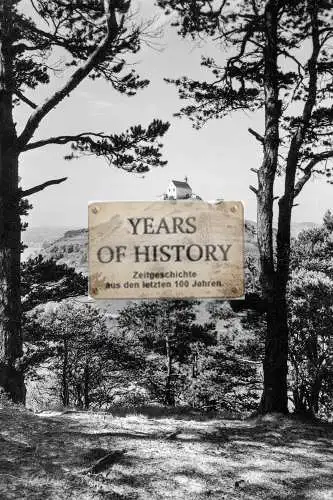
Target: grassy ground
x=162, y=457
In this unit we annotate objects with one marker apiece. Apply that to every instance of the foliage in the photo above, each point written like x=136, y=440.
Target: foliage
x=328, y=220
x=45, y=280
x=240, y=83
x=170, y=336
x=95, y=40
x=70, y=336
x=39, y=41
x=313, y=251
x=24, y=208
x=278, y=58
x=311, y=356
x=310, y=320
x=189, y=363
x=226, y=379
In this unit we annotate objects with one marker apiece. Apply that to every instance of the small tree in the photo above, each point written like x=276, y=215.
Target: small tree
x=45, y=280
x=170, y=334
x=95, y=38
x=311, y=355
x=310, y=320
x=70, y=337
x=279, y=59
x=229, y=378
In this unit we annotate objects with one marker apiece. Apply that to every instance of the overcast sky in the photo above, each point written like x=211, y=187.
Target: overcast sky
x=217, y=159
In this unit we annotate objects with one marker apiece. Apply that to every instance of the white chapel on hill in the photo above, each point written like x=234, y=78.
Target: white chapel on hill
x=180, y=190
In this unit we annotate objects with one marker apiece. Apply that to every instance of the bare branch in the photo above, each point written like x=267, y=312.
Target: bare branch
x=290, y=191
x=62, y=139
x=310, y=102
x=308, y=170
x=25, y=99
x=40, y=187
x=254, y=190
x=256, y=135
x=112, y=30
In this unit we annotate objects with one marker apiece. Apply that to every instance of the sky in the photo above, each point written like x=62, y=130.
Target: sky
x=216, y=159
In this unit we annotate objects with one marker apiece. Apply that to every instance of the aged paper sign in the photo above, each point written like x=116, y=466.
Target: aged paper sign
x=166, y=249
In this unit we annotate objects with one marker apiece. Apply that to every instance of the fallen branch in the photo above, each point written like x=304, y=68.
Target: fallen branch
x=168, y=435
x=105, y=462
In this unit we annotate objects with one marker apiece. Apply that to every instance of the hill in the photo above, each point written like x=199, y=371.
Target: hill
x=36, y=237
x=72, y=247
x=161, y=454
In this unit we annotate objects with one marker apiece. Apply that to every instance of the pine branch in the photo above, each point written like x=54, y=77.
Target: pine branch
x=297, y=141
x=135, y=150
x=298, y=138
x=308, y=170
x=62, y=139
x=40, y=187
x=112, y=30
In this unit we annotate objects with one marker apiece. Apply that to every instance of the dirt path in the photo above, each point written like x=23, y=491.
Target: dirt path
x=48, y=457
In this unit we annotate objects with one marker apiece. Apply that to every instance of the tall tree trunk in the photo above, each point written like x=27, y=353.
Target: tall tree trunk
x=11, y=377
x=79, y=402
x=275, y=393
x=299, y=400
x=314, y=395
x=274, y=397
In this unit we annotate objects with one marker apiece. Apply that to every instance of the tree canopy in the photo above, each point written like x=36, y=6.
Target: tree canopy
x=78, y=40
x=276, y=56
x=303, y=84
x=94, y=40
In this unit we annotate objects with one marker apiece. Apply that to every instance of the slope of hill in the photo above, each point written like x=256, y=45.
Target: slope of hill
x=71, y=247
x=36, y=237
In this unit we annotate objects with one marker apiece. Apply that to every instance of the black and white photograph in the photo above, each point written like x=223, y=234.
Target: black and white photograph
x=166, y=249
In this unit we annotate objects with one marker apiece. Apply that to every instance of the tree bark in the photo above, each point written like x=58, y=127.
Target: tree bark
x=86, y=387
x=275, y=393
x=314, y=395
x=169, y=393
x=65, y=385
x=274, y=397
x=11, y=377
x=79, y=402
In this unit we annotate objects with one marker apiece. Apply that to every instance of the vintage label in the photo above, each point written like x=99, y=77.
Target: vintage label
x=166, y=249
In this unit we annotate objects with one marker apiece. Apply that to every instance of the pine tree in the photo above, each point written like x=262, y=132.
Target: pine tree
x=95, y=38
x=168, y=330
x=278, y=59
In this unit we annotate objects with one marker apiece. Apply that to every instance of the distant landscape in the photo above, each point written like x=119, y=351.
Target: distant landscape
x=69, y=245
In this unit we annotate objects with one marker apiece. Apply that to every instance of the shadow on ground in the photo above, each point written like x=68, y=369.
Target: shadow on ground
x=176, y=457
